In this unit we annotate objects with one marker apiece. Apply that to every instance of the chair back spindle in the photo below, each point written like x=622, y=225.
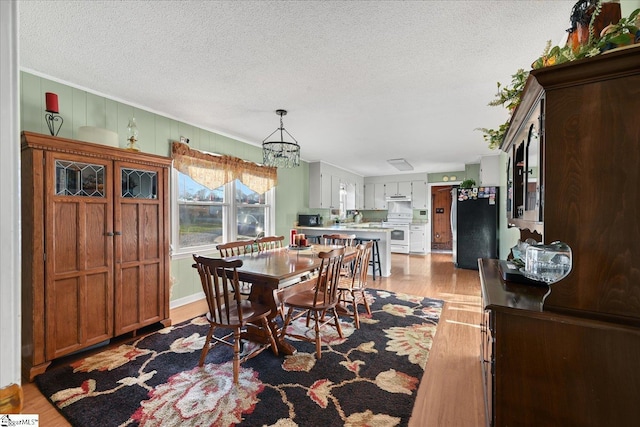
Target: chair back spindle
x=339, y=239
x=237, y=248
x=269, y=242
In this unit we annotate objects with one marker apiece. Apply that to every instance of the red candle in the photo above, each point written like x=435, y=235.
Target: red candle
x=52, y=102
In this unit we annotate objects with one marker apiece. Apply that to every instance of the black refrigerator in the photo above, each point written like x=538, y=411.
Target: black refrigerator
x=474, y=223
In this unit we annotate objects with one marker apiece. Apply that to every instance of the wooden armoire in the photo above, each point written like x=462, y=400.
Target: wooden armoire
x=95, y=245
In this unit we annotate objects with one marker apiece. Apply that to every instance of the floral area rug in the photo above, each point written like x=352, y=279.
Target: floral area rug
x=368, y=378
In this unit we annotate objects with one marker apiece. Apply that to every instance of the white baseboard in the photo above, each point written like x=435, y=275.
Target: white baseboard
x=186, y=300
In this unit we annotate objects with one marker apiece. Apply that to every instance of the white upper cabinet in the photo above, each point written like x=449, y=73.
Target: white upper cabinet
x=379, y=200
x=402, y=188
x=490, y=170
x=419, y=194
x=374, y=196
x=325, y=182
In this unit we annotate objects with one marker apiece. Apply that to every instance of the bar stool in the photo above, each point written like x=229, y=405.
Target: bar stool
x=375, y=254
x=313, y=239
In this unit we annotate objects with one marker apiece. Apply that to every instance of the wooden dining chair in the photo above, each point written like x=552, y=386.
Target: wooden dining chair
x=269, y=242
x=321, y=299
x=237, y=248
x=352, y=289
x=227, y=310
x=339, y=239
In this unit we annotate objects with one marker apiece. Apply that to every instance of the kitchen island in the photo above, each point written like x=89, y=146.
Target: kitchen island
x=360, y=230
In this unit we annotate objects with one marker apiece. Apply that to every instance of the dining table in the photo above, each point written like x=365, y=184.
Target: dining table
x=276, y=273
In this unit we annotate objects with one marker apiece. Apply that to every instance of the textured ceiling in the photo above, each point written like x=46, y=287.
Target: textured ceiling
x=363, y=81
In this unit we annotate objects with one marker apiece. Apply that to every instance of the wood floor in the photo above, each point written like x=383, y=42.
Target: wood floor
x=450, y=393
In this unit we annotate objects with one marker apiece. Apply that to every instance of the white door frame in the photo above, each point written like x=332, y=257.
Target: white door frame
x=430, y=216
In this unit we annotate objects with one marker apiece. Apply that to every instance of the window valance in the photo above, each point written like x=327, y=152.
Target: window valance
x=212, y=170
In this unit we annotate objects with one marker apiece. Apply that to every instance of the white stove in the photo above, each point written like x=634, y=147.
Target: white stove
x=399, y=223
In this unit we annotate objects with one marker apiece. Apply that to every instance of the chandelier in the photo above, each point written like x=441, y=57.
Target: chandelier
x=281, y=153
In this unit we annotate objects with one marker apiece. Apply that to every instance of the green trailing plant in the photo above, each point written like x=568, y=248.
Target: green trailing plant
x=468, y=183
x=508, y=96
x=494, y=137
x=623, y=33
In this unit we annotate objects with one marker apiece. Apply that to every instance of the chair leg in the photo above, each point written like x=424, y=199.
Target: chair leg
x=317, y=329
x=356, y=317
x=366, y=303
x=207, y=346
x=236, y=355
x=287, y=320
x=274, y=346
x=337, y=320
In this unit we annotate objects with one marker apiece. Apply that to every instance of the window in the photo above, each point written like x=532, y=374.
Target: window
x=203, y=217
x=201, y=212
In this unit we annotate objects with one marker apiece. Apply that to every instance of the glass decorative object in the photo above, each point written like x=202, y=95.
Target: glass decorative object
x=548, y=263
x=132, y=135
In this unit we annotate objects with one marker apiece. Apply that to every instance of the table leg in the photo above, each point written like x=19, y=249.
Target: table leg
x=264, y=294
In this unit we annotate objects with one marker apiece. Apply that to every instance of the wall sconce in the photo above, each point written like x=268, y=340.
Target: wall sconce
x=51, y=116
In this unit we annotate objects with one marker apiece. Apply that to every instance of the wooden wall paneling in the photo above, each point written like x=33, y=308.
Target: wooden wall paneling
x=95, y=111
x=111, y=120
x=163, y=138
x=78, y=116
x=32, y=103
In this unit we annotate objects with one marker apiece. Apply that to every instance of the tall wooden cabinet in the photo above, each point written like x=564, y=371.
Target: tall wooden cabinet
x=95, y=245
x=574, y=170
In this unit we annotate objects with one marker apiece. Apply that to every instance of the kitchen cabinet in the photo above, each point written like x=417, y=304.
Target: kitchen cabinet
x=95, y=229
x=396, y=189
x=324, y=188
x=351, y=196
x=325, y=184
x=418, y=238
x=572, y=177
x=359, y=195
x=369, y=195
x=374, y=196
x=419, y=194
x=490, y=171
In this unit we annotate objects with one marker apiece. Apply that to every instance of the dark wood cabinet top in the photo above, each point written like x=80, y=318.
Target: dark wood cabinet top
x=498, y=293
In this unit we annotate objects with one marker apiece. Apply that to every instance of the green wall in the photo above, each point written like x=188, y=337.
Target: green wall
x=79, y=107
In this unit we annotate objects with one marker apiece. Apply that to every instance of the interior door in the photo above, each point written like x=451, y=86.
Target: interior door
x=441, y=237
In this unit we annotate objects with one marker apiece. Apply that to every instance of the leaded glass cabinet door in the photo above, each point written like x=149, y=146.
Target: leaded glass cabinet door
x=140, y=246
x=78, y=252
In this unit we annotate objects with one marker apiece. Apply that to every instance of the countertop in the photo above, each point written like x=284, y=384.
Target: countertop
x=362, y=227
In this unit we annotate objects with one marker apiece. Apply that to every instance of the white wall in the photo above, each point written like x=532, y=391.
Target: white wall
x=9, y=194
x=628, y=6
